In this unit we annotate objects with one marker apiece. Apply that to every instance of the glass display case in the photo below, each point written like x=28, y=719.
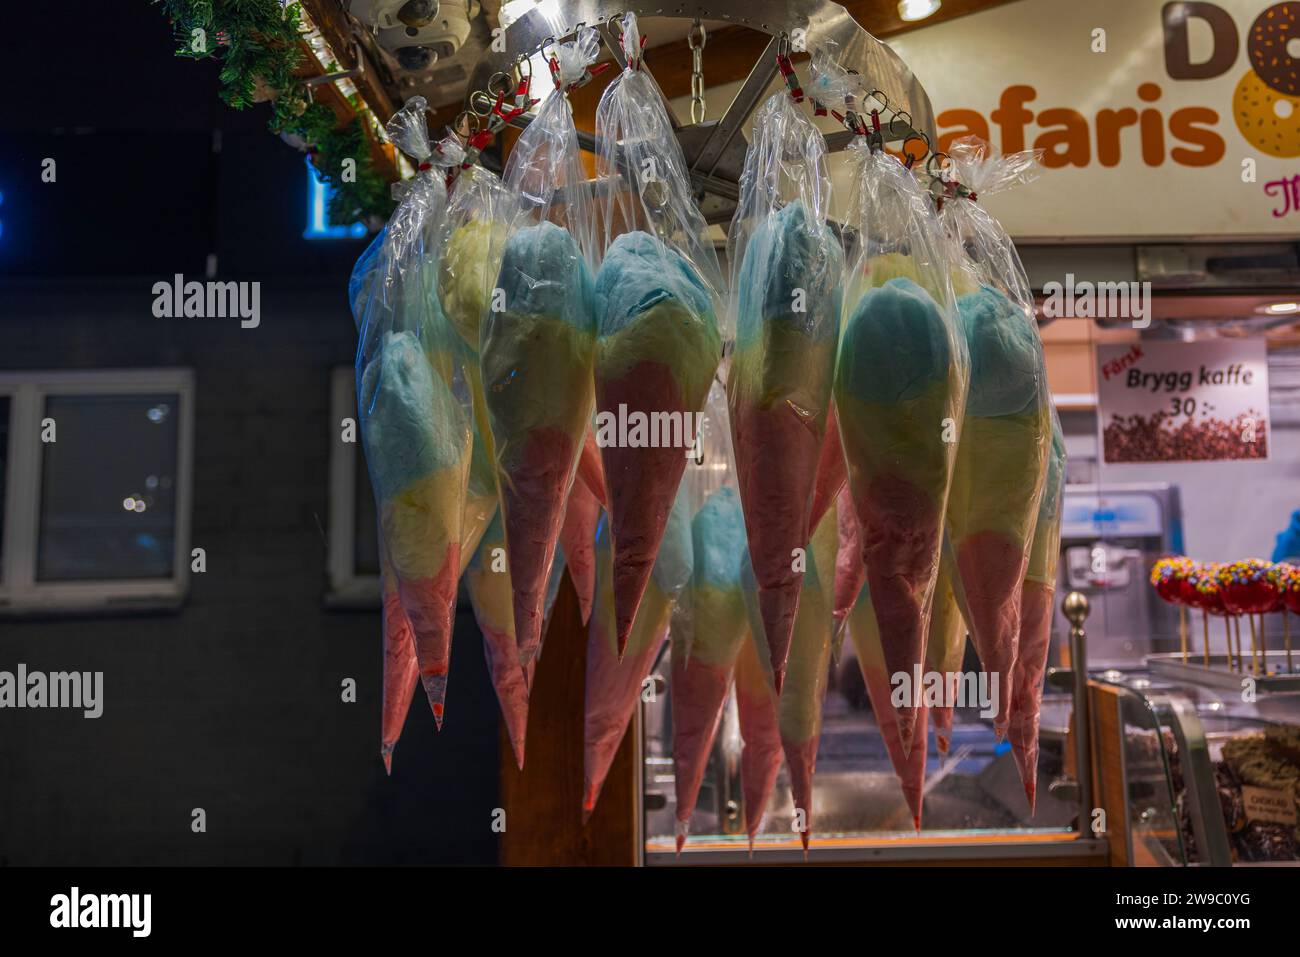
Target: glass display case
x=974, y=805
x=1210, y=769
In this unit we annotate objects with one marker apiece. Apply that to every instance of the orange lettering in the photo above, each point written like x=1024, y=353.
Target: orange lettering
x=1152, y=126
x=1182, y=126
x=1067, y=146
x=1011, y=116
x=971, y=124
x=1109, y=124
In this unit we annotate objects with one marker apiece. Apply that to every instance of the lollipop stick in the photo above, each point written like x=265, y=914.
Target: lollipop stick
x=1254, y=646
x=1263, y=645
x=1205, y=627
x=1234, y=652
x=1182, y=630
x=1286, y=623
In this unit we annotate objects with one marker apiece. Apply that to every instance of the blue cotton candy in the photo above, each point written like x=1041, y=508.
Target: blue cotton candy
x=787, y=252
x=898, y=344
x=640, y=271
x=719, y=533
x=543, y=273
x=674, y=564
x=1005, y=358
x=406, y=415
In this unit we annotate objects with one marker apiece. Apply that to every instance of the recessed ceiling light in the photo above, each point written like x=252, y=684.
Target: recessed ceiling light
x=1281, y=308
x=911, y=10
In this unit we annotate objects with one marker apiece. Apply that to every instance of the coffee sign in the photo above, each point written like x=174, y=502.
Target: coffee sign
x=1183, y=401
x=1155, y=120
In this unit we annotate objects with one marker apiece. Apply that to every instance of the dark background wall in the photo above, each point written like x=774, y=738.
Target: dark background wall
x=232, y=704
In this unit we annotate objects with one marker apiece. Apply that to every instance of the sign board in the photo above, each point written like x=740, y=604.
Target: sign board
x=1183, y=401
x=1158, y=120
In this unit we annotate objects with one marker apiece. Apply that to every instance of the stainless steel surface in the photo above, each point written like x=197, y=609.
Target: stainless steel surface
x=1218, y=675
x=1075, y=607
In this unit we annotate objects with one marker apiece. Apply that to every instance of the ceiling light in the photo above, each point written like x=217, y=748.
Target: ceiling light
x=1281, y=308
x=912, y=10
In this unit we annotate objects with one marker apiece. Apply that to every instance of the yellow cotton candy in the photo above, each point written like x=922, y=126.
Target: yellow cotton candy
x=468, y=274
x=423, y=519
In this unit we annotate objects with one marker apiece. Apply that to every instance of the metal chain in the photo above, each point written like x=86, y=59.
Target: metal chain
x=696, y=39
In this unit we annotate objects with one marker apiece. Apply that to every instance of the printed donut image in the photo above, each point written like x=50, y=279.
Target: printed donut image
x=1266, y=46
x=1254, y=107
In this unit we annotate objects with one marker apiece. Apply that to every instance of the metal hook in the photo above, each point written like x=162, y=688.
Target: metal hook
x=476, y=101
x=895, y=118
x=930, y=163
x=506, y=85
x=880, y=98
x=466, y=124
x=520, y=63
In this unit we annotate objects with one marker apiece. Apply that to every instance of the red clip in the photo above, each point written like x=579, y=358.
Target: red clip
x=875, y=121
x=791, y=81
x=818, y=109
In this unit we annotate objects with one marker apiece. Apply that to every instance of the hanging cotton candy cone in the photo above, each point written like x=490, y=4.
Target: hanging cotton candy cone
x=401, y=670
x=945, y=649
x=480, y=500
x=578, y=541
x=908, y=762
x=756, y=704
x=702, y=672
x=832, y=472
x=417, y=441
x=899, y=386
x=998, y=480
x=800, y=710
x=1036, y=608
x=656, y=352
x=613, y=685
x=487, y=581
x=778, y=390
x=536, y=356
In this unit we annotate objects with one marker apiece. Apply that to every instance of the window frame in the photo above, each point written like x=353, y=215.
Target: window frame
x=347, y=588
x=21, y=594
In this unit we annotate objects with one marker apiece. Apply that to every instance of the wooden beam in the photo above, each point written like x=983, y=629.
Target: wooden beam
x=335, y=26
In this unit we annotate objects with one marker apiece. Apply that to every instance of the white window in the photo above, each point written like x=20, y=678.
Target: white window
x=353, y=523
x=95, y=469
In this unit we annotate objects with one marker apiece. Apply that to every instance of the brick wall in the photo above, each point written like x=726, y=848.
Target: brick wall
x=233, y=704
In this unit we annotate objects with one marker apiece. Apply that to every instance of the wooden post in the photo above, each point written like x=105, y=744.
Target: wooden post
x=543, y=803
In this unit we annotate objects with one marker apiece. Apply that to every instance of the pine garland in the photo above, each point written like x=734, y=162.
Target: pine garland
x=256, y=42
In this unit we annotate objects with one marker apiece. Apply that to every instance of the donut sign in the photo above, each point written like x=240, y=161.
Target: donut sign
x=1156, y=120
x=1183, y=401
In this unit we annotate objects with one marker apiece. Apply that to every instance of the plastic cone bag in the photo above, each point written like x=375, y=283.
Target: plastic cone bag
x=850, y=573
x=832, y=471
x=908, y=762
x=706, y=642
x=945, y=648
x=787, y=269
x=1002, y=456
x=900, y=386
x=756, y=705
x=536, y=342
x=614, y=685
x=487, y=581
x=1036, y=611
x=799, y=715
x=480, y=212
x=414, y=408
x=578, y=544
x=657, y=344
x=401, y=670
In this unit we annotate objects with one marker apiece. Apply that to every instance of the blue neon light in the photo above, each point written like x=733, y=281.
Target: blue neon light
x=318, y=222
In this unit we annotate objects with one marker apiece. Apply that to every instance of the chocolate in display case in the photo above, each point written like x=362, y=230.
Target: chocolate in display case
x=1208, y=777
